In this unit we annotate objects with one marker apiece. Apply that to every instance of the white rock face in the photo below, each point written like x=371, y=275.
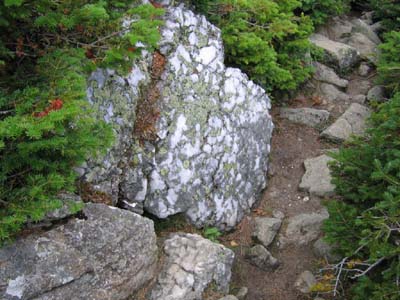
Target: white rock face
x=191, y=264
x=210, y=158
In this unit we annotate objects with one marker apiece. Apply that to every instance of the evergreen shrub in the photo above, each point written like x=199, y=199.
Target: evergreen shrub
x=365, y=224
x=47, y=50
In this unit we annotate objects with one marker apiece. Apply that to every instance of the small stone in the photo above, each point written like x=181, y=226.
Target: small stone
x=324, y=250
x=305, y=282
x=306, y=199
x=331, y=93
x=307, y=116
x=304, y=228
x=352, y=122
x=317, y=178
x=262, y=258
x=265, y=229
x=242, y=294
x=359, y=99
x=364, y=69
x=278, y=214
x=229, y=297
x=377, y=93
x=328, y=75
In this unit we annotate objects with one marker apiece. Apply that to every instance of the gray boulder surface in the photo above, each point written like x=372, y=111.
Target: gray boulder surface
x=229, y=297
x=305, y=282
x=377, y=93
x=368, y=49
x=352, y=122
x=323, y=250
x=317, y=178
x=209, y=153
x=340, y=56
x=332, y=94
x=308, y=116
x=265, y=229
x=362, y=27
x=326, y=74
x=262, y=258
x=109, y=255
x=304, y=228
x=191, y=264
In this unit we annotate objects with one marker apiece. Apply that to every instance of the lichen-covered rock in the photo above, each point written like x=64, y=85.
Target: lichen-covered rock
x=191, y=264
x=262, y=258
x=109, y=255
x=208, y=159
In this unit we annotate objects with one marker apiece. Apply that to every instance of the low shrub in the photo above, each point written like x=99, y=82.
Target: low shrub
x=47, y=49
x=365, y=224
x=389, y=61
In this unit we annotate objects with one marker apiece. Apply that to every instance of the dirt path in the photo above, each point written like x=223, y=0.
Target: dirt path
x=292, y=144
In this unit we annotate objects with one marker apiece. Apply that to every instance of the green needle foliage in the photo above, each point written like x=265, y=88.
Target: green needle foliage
x=365, y=225
x=389, y=61
x=47, y=50
x=268, y=39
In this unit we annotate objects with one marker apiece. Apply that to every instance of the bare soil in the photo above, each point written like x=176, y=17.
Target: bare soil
x=293, y=144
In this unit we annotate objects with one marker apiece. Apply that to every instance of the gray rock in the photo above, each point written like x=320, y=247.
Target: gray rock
x=262, y=258
x=359, y=99
x=337, y=28
x=93, y=258
x=340, y=56
x=278, y=214
x=304, y=228
x=324, y=250
x=377, y=93
x=213, y=131
x=317, y=178
x=361, y=27
x=307, y=116
x=265, y=230
x=328, y=75
x=364, y=69
x=359, y=87
x=332, y=94
x=367, y=17
x=191, y=264
x=377, y=27
x=368, y=49
x=242, y=293
x=305, y=282
x=352, y=122
x=229, y=297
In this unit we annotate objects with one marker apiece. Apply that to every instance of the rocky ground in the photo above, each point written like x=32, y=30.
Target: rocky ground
x=280, y=249
x=108, y=252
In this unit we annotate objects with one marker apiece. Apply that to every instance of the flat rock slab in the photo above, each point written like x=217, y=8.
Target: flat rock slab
x=332, y=94
x=109, y=255
x=340, y=56
x=352, y=122
x=368, y=49
x=304, y=228
x=317, y=178
x=262, y=258
x=326, y=74
x=191, y=264
x=265, y=230
x=307, y=116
